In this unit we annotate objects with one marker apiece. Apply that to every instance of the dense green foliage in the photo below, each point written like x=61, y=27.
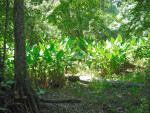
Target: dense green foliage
x=108, y=37
x=88, y=27
x=50, y=60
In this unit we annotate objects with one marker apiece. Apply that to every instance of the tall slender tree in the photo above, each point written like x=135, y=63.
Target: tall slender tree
x=23, y=91
x=2, y=62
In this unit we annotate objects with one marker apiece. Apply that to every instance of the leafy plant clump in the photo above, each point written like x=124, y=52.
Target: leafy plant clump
x=49, y=61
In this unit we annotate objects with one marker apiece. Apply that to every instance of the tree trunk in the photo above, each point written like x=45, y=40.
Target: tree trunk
x=23, y=92
x=5, y=36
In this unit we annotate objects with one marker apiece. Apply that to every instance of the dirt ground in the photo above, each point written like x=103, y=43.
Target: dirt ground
x=118, y=99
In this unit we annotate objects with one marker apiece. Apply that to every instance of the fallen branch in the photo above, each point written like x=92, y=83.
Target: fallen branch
x=60, y=101
x=119, y=82
x=113, y=82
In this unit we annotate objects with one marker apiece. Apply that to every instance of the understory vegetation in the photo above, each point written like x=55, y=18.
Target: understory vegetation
x=49, y=61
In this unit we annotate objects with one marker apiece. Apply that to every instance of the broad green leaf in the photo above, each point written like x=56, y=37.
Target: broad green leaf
x=44, y=35
x=149, y=37
x=48, y=60
x=41, y=92
x=59, y=55
x=2, y=109
x=28, y=49
x=85, y=42
x=95, y=56
x=100, y=50
x=51, y=46
x=108, y=55
x=90, y=49
x=42, y=38
x=119, y=38
x=133, y=41
x=74, y=49
x=81, y=51
x=29, y=59
x=70, y=42
x=46, y=53
x=35, y=50
x=41, y=46
x=8, y=61
x=115, y=52
x=125, y=46
x=114, y=47
x=112, y=40
x=123, y=57
x=143, y=42
x=10, y=82
x=96, y=49
x=5, y=85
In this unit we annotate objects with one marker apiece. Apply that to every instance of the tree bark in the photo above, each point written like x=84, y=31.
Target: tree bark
x=5, y=36
x=23, y=92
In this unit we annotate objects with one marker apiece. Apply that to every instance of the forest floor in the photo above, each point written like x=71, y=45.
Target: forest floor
x=111, y=99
